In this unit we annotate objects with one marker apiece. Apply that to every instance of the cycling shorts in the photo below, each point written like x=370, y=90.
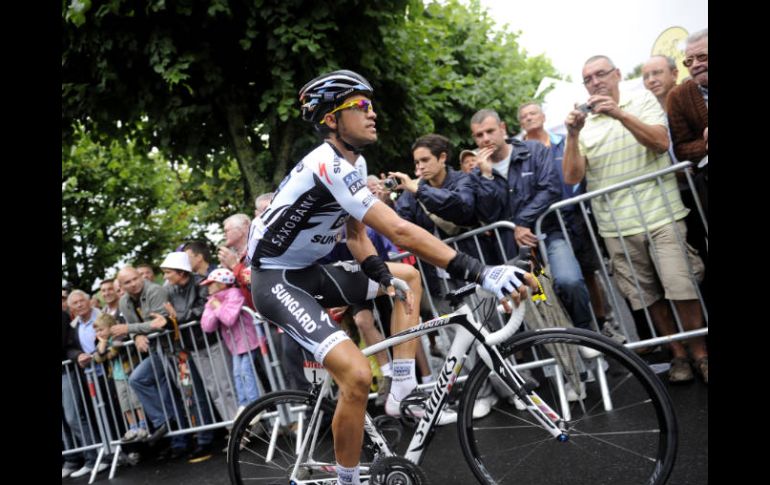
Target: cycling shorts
x=295, y=300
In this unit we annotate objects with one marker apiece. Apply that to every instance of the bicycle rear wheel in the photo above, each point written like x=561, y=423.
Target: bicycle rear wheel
x=267, y=435
x=632, y=443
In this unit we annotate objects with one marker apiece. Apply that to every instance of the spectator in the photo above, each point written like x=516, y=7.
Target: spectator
x=522, y=174
x=468, y=160
x=374, y=185
x=200, y=257
x=532, y=120
x=147, y=271
x=70, y=408
x=224, y=311
x=688, y=117
x=79, y=349
x=688, y=102
x=659, y=75
x=111, y=298
x=188, y=300
x=261, y=203
x=142, y=306
x=233, y=252
x=624, y=137
x=108, y=349
x=119, y=291
x=64, y=295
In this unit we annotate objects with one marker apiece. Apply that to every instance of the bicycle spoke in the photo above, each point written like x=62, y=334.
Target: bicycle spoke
x=623, y=448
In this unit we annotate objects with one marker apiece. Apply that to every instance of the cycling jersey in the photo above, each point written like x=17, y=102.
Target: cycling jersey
x=301, y=225
x=309, y=210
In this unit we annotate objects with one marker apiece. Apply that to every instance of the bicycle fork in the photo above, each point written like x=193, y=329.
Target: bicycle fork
x=539, y=409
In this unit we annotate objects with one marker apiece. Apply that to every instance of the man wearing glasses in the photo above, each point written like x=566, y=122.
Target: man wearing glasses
x=621, y=136
x=688, y=110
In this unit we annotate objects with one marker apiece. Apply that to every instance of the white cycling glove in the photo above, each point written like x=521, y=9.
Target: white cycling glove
x=502, y=280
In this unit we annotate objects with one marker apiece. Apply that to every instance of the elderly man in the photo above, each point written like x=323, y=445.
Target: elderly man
x=624, y=136
x=79, y=347
x=688, y=111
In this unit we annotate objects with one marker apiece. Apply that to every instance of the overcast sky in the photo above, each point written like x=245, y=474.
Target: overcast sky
x=571, y=31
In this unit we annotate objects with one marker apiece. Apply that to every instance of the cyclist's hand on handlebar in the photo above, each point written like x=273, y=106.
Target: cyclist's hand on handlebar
x=504, y=280
x=400, y=289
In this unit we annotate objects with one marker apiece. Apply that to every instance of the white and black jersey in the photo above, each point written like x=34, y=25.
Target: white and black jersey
x=301, y=225
x=309, y=210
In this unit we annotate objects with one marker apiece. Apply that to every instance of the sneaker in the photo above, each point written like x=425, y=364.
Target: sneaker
x=393, y=408
x=142, y=434
x=680, y=370
x=201, y=453
x=383, y=390
x=702, y=365
x=608, y=330
x=68, y=470
x=483, y=406
x=572, y=395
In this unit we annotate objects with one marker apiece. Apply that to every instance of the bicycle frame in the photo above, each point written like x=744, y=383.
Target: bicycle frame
x=468, y=332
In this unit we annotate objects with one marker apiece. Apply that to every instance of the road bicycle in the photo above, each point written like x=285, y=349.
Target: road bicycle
x=618, y=428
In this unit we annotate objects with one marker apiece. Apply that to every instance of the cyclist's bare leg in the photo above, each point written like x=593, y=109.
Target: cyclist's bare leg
x=364, y=320
x=350, y=369
x=401, y=320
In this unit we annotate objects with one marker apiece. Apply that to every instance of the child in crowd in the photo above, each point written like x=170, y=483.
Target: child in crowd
x=108, y=348
x=225, y=307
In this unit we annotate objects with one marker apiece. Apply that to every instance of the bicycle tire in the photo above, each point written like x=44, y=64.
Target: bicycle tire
x=250, y=438
x=634, y=443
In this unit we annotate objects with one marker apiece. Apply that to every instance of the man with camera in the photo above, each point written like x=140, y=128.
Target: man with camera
x=623, y=137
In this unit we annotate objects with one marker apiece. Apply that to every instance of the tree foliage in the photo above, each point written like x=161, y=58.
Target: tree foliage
x=119, y=203
x=218, y=79
x=213, y=85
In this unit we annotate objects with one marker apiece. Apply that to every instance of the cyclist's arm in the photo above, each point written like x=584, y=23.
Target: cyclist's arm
x=358, y=241
x=406, y=235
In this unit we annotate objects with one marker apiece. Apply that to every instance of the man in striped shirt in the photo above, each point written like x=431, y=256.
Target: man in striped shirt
x=618, y=137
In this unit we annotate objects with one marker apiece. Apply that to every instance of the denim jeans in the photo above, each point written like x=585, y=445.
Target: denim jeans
x=245, y=377
x=145, y=384
x=568, y=280
x=75, y=417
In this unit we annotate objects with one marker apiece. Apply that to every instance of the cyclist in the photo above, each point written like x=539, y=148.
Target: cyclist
x=324, y=191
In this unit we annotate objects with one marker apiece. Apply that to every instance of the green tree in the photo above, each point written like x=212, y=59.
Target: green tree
x=119, y=204
x=218, y=79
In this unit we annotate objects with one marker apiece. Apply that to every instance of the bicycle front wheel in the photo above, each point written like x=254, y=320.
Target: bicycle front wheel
x=267, y=435
x=626, y=434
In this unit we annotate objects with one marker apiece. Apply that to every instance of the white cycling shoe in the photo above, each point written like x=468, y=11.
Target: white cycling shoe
x=393, y=408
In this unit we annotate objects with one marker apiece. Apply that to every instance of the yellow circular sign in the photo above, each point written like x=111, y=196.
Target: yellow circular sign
x=671, y=43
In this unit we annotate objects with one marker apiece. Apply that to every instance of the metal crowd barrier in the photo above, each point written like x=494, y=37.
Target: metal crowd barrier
x=101, y=423
x=618, y=304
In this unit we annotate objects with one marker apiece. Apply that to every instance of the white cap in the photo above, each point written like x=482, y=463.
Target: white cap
x=177, y=260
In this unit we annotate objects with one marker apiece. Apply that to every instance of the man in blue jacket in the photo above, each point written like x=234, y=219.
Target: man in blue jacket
x=518, y=182
x=442, y=200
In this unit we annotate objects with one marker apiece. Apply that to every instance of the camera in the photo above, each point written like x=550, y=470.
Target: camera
x=585, y=108
x=390, y=183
